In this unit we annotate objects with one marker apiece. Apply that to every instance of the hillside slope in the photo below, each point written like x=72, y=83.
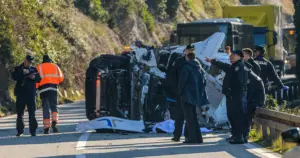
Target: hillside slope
x=74, y=31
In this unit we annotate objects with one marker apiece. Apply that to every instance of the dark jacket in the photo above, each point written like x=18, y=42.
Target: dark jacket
x=255, y=89
x=268, y=72
x=25, y=86
x=172, y=75
x=236, y=78
x=255, y=67
x=192, y=84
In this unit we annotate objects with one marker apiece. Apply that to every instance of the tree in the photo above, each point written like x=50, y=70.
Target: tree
x=297, y=26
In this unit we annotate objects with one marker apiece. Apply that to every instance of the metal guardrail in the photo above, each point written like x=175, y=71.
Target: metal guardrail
x=272, y=122
x=292, y=96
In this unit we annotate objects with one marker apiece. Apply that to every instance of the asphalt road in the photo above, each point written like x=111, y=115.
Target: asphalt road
x=70, y=144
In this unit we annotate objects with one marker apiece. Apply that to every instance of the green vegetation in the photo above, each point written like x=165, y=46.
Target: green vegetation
x=272, y=104
x=147, y=18
x=276, y=146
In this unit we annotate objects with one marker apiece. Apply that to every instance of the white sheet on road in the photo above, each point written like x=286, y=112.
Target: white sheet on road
x=113, y=123
x=168, y=127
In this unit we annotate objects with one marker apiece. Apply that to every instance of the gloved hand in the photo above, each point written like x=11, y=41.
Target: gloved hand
x=285, y=88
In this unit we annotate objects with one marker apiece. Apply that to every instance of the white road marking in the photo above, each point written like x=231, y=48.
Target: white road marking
x=260, y=151
x=81, y=145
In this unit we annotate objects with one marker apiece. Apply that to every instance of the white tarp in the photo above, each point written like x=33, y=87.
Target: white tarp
x=113, y=123
x=168, y=127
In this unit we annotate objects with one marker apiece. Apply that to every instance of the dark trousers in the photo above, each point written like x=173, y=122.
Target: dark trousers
x=49, y=101
x=248, y=119
x=31, y=107
x=192, y=125
x=229, y=114
x=179, y=121
x=237, y=110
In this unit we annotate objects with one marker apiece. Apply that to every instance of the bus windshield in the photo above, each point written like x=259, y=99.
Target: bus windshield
x=191, y=33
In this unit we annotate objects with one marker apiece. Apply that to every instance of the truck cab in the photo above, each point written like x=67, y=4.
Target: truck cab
x=267, y=22
x=238, y=35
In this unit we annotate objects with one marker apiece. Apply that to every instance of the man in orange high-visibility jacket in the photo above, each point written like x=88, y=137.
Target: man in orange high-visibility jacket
x=51, y=77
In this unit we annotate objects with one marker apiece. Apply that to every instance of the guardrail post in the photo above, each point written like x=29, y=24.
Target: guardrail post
x=258, y=127
x=265, y=132
x=273, y=134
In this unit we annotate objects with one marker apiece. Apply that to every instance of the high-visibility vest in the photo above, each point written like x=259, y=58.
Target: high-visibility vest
x=50, y=74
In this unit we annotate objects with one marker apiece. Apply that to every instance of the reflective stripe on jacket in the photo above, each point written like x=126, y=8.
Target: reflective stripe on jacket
x=50, y=74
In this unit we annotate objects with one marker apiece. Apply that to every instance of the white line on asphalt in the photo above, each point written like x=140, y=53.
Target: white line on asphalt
x=260, y=151
x=81, y=145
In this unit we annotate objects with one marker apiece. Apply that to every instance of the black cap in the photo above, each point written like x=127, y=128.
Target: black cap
x=46, y=58
x=238, y=52
x=29, y=58
x=260, y=49
x=192, y=47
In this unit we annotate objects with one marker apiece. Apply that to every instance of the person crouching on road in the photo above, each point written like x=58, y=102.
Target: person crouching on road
x=51, y=77
x=235, y=90
x=191, y=90
x=26, y=76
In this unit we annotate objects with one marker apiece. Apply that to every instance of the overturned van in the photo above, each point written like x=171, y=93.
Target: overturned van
x=131, y=85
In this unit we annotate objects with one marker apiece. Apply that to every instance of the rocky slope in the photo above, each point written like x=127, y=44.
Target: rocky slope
x=74, y=31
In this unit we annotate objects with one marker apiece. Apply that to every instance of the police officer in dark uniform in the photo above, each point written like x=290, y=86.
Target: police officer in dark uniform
x=248, y=58
x=191, y=89
x=25, y=91
x=255, y=98
x=179, y=117
x=235, y=90
x=268, y=72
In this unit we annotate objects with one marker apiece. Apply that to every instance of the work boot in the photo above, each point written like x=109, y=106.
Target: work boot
x=46, y=131
x=237, y=140
x=230, y=138
x=175, y=139
x=54, y=128
x=246, y=137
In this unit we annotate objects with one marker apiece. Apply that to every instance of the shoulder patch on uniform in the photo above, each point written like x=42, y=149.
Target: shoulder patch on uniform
x=237, y=68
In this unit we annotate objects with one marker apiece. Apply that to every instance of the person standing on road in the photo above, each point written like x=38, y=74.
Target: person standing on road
x=191, y=89
x=235, y=90
x=26, y=76
x=268, y=72
x=51, y=77
x=255, y=98
x=179, y=115
x=248, y=58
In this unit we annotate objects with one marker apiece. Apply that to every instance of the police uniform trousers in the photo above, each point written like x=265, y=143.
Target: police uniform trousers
x=237, y=109
x=21, y=102
x=49, y=101
x=192, y=126
x=248, y=119
x=179, y=121
x=230, y=116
